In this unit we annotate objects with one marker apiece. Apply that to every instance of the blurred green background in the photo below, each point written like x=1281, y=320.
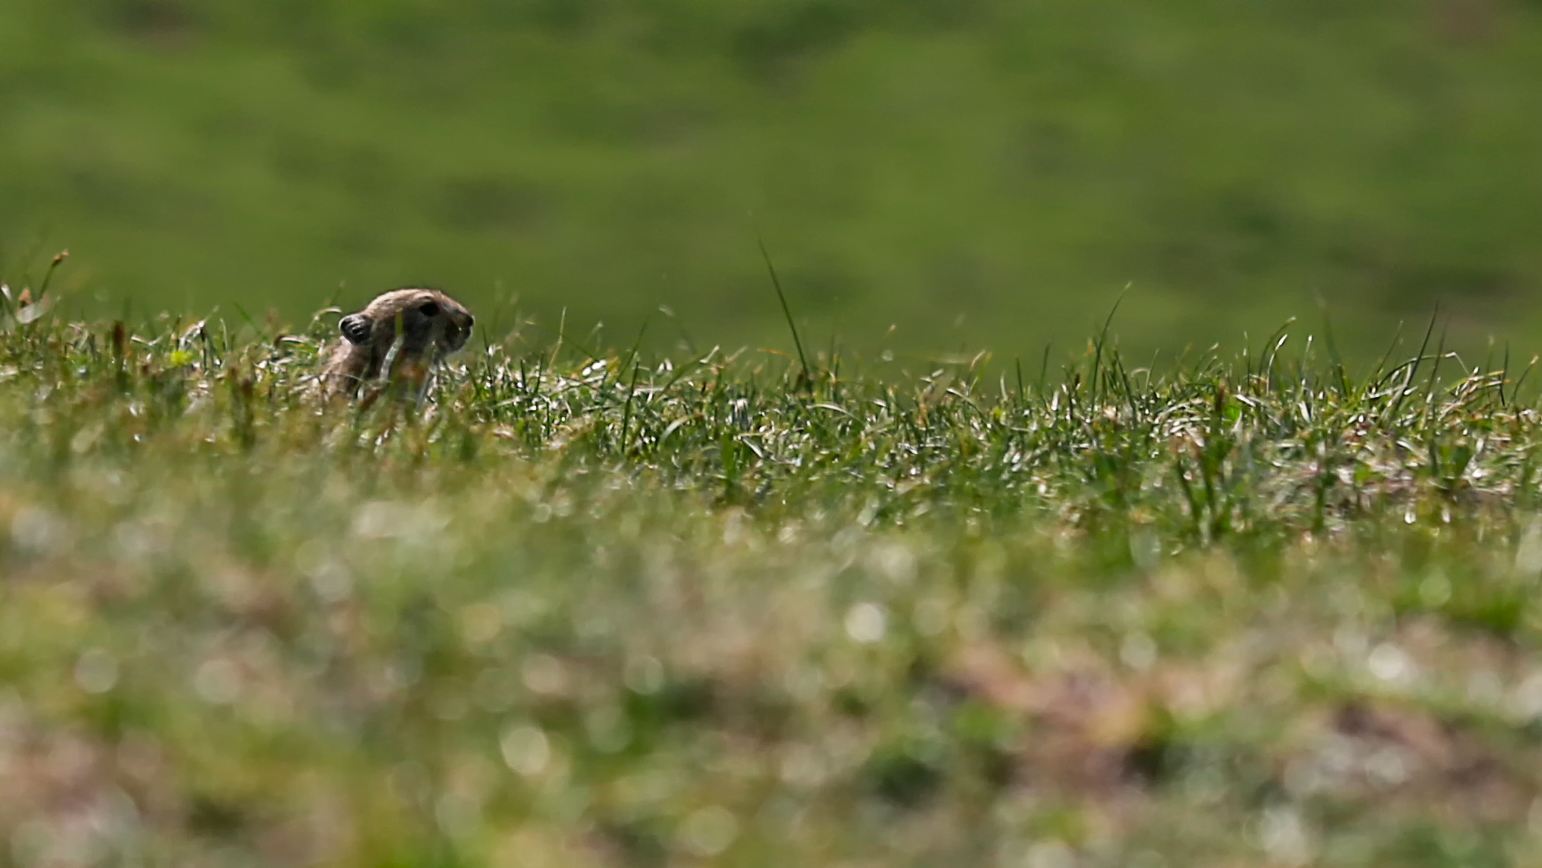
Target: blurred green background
x=975, y=173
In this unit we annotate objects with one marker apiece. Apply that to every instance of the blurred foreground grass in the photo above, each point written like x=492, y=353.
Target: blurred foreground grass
x=595, y=611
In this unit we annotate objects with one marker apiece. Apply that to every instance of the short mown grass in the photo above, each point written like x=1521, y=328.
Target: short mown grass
x=597, y=609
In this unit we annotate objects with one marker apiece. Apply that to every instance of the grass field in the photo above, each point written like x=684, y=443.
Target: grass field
x=979, y=173
x=584, y=607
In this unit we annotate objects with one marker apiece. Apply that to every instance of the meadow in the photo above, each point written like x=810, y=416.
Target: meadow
x=605, y=607
x=974, y=173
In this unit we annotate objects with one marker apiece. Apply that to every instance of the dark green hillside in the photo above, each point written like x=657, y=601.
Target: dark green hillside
x=982, y=174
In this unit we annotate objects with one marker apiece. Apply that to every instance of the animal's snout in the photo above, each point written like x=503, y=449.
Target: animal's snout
x=457, y=331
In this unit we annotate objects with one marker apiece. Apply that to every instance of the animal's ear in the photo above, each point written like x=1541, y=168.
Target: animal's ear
x=355, y=327
x=429, y=309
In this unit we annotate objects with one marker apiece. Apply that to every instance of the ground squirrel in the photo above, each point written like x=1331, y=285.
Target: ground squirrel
x=398, y=336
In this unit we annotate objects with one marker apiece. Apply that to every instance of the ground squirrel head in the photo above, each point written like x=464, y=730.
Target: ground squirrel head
x=398, y=335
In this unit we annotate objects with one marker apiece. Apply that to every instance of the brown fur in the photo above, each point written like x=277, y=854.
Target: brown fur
x=412, y=328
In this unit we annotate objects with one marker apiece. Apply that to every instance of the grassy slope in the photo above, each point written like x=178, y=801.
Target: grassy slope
x=591, y=611
x=909, y=162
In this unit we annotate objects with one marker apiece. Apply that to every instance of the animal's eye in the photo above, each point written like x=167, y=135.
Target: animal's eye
x=429, y=308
